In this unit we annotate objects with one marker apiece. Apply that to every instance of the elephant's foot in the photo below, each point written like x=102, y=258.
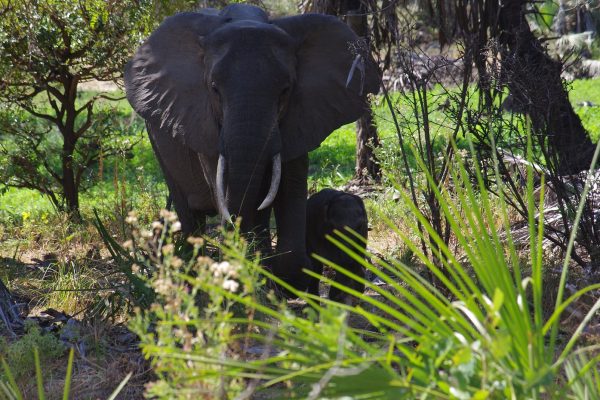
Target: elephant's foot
x=290, y=268
x=341, y=296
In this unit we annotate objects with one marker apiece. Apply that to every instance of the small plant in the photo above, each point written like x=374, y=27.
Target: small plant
x=9, y=389
x=49, y=48
x=129, y=259
x=19, y=355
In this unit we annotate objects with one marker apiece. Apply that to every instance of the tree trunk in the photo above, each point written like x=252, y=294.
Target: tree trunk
x=354, y=13
x=367, y=168
x=69, y=181
x=10, y=320
x=534, y=81
x=71, y=191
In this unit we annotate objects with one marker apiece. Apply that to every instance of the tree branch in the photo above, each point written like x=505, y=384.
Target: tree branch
x=88, y=122
x=59, y=112
x=56, y=93
x=35, y=113
x=64, y=33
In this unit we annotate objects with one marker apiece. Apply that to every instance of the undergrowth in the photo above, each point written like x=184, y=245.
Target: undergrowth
x=482, y=334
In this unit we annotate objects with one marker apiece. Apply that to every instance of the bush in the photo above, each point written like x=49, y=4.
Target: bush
x=483, y=335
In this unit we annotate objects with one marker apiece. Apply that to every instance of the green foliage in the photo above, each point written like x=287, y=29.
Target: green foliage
x=31, y=151
x=134, y=292
x=41, y=41
x=165, y=8
x=281, y=7
x=19, y=355
x=186, y=317
x=49, y=136
x=482, y=334
x=331, y=165
x=584, y=376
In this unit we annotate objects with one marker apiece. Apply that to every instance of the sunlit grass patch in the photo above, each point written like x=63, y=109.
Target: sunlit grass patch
x=585, y=98
x=332, y=163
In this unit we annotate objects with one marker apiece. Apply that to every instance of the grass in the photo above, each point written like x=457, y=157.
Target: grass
x=332, y=164
x=584, y=92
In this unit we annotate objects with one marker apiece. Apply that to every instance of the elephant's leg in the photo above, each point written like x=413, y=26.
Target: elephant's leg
x=353, y=267
x=192, y=220
x=290, y=215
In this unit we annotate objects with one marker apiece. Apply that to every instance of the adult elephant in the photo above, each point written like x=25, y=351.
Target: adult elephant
x=233, y=103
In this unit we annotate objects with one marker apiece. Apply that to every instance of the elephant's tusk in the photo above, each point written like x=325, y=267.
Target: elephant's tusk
x=359, y=64
x=220, y=190
x=275, y=178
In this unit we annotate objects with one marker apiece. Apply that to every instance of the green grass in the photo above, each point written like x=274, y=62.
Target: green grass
x=332, y=163
x=17, y=205
x=587, y=90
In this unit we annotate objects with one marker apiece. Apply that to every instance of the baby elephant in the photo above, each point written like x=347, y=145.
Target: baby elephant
x=327, y=211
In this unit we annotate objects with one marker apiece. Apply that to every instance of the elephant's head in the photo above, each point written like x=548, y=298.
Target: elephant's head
x=256, y=92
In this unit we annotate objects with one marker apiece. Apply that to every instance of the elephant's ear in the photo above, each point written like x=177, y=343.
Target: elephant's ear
x=165, y=84
x=321, y=102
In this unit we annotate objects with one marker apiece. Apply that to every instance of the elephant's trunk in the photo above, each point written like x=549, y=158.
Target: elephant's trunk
x=221, y=185
x=249, y=144
x=245, y=183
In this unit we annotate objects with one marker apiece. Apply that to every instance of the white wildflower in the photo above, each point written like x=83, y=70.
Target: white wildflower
x=195, y=241
x=131, y=218
x=168, y=249
x=203, y=260
x=231, y=285
x=176, y=262
x=168, y=215
x=219, y=269
x=157, y=225
x=162, y=286
x=146, y=234
x=176, y=227
x=128, y=245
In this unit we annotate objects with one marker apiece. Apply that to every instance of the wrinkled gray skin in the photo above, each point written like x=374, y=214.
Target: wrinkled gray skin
x=327, y=211
x=237, y=86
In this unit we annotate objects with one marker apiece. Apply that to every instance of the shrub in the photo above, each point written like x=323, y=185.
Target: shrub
x=483, y=335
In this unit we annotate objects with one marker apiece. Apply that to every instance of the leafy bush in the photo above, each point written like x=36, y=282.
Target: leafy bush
x=50, y=135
